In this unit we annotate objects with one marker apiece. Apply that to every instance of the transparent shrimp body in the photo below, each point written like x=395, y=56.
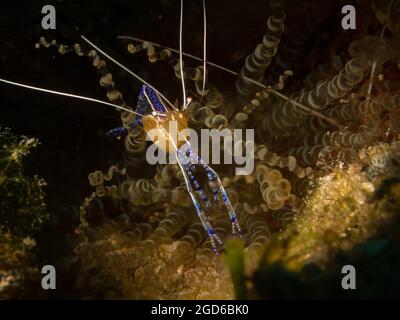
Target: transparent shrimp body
x=157, y=116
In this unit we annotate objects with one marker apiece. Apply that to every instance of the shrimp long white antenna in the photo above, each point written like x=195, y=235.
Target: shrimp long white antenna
x=70, y=95
x=234, y=73
x=181, y=58
x=126, y=69
x=204, y=47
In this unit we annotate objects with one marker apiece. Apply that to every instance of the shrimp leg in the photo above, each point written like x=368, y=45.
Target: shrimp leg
x=216, y=185
x=183, y=160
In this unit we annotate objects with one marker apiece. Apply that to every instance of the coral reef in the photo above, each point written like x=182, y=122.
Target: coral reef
x=22, y=213
x=344, y=210
x=18, y=191
x=350, y=218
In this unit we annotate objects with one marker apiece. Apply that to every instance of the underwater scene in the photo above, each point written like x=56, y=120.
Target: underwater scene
x=199, y=149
